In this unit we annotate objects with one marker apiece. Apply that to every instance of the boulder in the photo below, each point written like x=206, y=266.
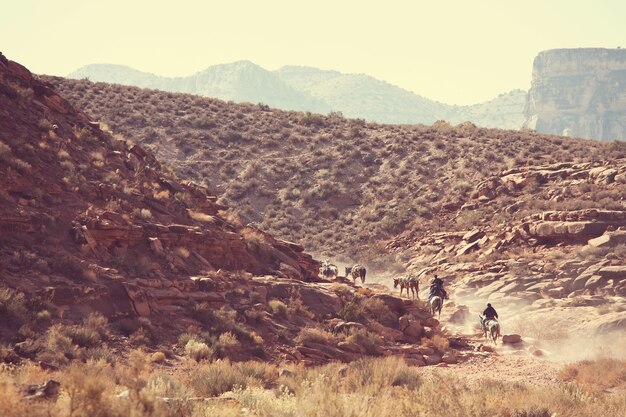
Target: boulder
x=596, y=281
x=473, y=235
x=394, y=303
x=511, y=338
x=450, y=357
x=433, y=359
x=467, y=248
x=414, y=362
x=350, y=347
x=385, y=332
x=430, y=322
x=138, y=299
x=47, y=391
x=617, y=272
x=348, y=326
x=425, y=350
x=414, y=331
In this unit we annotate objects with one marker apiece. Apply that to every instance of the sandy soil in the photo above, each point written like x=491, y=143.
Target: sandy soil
x=506, y=366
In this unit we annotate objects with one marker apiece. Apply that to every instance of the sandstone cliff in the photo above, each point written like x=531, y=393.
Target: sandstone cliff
x=579, y=92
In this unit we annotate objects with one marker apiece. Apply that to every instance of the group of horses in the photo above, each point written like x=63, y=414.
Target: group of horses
x=410, y=283
x=491, y=327
x=355, y=272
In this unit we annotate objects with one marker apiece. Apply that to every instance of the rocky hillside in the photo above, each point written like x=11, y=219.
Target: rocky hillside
x=318, y=91
x=363, y=96
x=539, y=263
x=335, y=185
x=579, y=92
x=241, y=81
x=102, y=250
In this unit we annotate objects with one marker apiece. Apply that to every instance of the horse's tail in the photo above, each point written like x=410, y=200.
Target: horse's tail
x=363, y=271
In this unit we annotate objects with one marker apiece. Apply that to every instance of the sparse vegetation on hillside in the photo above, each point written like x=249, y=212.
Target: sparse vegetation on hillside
x=336, y=185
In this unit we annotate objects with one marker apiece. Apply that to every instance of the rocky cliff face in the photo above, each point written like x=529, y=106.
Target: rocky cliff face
x=579, y=92
x=90, y=221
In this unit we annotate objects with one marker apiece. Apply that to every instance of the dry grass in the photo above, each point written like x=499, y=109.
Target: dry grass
x=596, y=375
x=373, y=387
x=317, y=335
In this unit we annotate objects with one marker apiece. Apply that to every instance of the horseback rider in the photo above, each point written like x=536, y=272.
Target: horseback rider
x=490, y=313
x=436, y=289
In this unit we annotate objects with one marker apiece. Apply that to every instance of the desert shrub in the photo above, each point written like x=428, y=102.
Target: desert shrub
x=378, y=310
x=158, y=357
x=370, y=375
x=295, y=305
x=82, y=336
x=353, y=311
x=316, y=335
x=56, y=347
x=225, y=344
x=221, y=321
x=371, y=342
x=279, y=309
x=213, y=379
x=198, y=351
x=139, y=330
x=311, y=119
x=13, y=307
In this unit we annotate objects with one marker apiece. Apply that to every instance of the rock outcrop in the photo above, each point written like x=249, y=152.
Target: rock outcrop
x=579, y=92
x=95, y=224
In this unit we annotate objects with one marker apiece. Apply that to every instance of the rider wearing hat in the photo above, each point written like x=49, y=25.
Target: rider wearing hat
x=436, y=288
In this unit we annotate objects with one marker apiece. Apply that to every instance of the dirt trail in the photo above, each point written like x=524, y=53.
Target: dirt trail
x=508, y=367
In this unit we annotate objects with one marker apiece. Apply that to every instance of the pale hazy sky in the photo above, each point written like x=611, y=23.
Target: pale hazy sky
x=458, y=52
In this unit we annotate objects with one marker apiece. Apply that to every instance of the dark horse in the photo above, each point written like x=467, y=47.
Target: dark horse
x=356, y=271
x=491, y=329
x=329, y=270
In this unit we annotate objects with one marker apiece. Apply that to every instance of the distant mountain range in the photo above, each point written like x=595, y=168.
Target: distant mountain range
x=319, y=91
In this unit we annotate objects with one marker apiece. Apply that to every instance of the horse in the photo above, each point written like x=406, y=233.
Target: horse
x=491, y=329
x=436, y=304
x=410, y=283
x=329, y=270
x=356, y=271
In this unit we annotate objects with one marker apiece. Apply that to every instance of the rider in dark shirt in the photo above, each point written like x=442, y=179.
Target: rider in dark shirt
x=490, y=313
x=436, y=288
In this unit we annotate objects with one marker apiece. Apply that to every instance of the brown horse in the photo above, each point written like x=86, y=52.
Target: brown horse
x=410, y=283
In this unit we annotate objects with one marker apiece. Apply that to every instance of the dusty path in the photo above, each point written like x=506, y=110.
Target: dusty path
x=507, y=366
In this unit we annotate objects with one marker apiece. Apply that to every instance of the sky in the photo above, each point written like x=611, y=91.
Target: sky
x=456, y=52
